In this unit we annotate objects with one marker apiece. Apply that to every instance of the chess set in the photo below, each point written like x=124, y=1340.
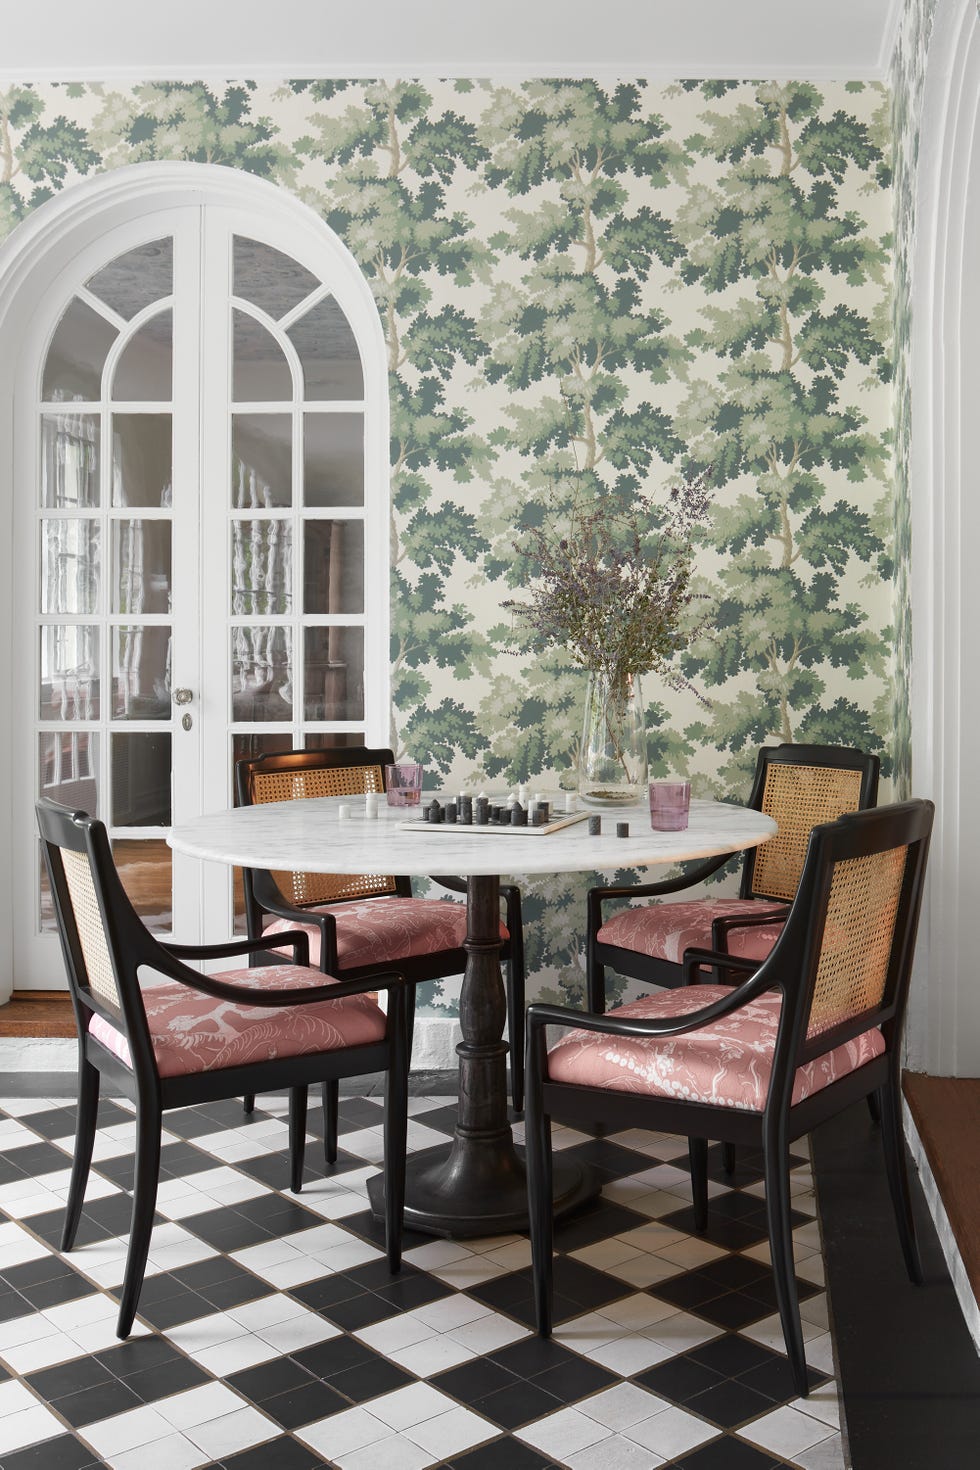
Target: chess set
x=485, y=814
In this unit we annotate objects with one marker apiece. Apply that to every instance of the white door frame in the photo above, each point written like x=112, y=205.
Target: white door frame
x=943, y=1035
x=40, y=251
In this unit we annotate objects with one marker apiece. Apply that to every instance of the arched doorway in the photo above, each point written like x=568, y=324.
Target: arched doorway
x=199, y=512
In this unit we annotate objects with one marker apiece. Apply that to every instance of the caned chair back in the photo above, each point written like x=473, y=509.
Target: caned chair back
x=295, y=774
x=802, y=787
x=103, y=939
x=844, y=959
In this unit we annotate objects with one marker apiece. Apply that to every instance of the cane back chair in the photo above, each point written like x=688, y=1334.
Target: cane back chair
x=813, y=1029
x=194, y=1038
x=799, y=786
x=355, y=923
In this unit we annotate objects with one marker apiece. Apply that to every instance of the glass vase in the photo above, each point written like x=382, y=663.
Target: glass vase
x=612, y=765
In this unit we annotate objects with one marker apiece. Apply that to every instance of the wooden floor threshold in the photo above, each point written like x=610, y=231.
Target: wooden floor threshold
x=946, y=1113
x=33, y=1013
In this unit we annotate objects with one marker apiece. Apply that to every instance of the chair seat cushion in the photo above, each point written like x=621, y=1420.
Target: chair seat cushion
x=727, y=1063
x=382, y=931
x=666, y=930
x=194, y=1032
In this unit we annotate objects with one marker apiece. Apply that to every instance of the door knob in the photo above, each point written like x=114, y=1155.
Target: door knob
x=182, y=696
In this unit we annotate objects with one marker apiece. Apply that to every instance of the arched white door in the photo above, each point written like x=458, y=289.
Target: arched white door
x=200, y=540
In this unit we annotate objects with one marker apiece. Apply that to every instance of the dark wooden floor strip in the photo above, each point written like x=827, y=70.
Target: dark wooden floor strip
x=946, y=1113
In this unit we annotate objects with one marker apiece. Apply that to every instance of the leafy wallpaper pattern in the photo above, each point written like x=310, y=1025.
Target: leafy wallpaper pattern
x=599, y=285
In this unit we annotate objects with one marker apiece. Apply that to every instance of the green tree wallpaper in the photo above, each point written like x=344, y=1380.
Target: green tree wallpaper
x=600, y=288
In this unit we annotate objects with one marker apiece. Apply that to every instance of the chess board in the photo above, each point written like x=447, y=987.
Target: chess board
x=554, y=824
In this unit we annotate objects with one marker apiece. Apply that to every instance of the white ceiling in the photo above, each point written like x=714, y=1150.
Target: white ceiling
x=63, y=39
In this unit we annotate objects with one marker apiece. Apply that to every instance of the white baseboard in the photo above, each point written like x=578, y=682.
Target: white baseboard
x=434, y=1044
x=954, y=1261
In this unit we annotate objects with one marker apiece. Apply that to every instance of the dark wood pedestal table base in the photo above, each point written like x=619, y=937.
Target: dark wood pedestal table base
x=476, y=1184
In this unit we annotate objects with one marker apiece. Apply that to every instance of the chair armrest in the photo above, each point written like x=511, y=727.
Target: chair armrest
x=294, y=939
x=257, y=995
x=270, y=901
x=539, y=1016
x=596, y=897
x=694, y=960
x=721, y=927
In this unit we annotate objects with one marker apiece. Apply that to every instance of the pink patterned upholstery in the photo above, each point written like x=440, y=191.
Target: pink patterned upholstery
x=382, y=931
x=666, y=930
x=193, y=1032
x=727, y=1063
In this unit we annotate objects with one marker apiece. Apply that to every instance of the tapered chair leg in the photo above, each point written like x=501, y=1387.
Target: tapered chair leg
x=728, y=1157
x=539, y=1196
x=893, y=1144
x=781, y=1249
x=331, y=1116
x=146, y=1176
x=595, y=983
x=697, y=1149
x=874, y=1107
x=88, y=1107
x=248, y=1103
x=396, y=1127
x=297, y=1137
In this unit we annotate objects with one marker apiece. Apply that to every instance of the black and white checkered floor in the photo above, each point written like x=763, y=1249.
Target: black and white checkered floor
x=270, y=1335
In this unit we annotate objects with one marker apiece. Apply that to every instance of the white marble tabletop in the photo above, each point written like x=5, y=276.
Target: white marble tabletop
x=310, y=836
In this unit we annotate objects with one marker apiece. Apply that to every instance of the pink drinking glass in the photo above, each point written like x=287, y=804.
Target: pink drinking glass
x=403, y=784
x=670, y=803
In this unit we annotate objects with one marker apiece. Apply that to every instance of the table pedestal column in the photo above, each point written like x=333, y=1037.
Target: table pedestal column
x=476, y=1184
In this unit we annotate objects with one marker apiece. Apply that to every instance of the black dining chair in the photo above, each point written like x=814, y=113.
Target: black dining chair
x=356, y=923
x=817, y=1026
x=191, y=1038
x=799, y=786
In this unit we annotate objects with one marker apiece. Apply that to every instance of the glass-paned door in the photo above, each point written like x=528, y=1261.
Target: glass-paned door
x=201, y=551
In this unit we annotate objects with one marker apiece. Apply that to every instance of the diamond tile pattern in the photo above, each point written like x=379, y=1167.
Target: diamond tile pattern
x=271, y=1333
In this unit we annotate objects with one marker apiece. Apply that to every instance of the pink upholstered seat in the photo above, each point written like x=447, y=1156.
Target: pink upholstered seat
x=194, y=1032
x=727, y=1063
x=666, y=930
x=383, y=931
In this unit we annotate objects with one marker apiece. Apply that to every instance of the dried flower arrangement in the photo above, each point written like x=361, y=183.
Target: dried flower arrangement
x=613, y=583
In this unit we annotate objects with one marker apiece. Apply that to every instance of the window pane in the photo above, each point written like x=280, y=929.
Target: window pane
x=141, y=673
x=269, y=279
x=333, y=567
x=69, y=672
x=261, y=372
x=142, y=459
x=136, y=279
x=144, y=373
x=70, y=461
x=328, y=352
x=262, y=460
x=71, y=566
x=262, y=673
x=141, y=779
x=68, y=768
x=334, y=669
x=76, y=357
x=333, y=459
x=141, y=561
x=146, y=868
x=261, y=566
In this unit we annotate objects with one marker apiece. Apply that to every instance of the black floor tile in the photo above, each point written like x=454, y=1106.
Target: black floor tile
x=266, y=1380
x=571, y=1381
x=532, y=1356
x=335, y=1356
x=37, y=1159
x=359, y=1311
x=282, y=1454
x=52, y=1122
x=599, y=1222
x=679, y=1379
x=729, y=1403
x=727, y=1454
x=63, y=1452
x=610, y=1160
x=732, y=1355
x=68, y=1378
x=499, y=1454
x=99, y=1401
x=517, y=1404
x=473, y=1380
x=171, y=1377
x=137, y=1355
x=370, y=1379
x=66, y=1288
x=303, y=1405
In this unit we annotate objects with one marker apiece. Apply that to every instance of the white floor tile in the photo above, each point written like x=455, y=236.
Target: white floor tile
x=451, y=1433
x=342, y=1433
x=410, y=1405
x=176, y=1452
x=563, y=1433
x=233, y=1432
x=786, y=1432
x=672, y=1432
x=622, y=1405
x=615, y=1453
x=27, y=1426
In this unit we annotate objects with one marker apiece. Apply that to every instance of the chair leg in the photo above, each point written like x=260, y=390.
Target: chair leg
x=539, y=1202
x=88, y=1106
x=396, y=1126
x=331, y=1113
x=874, y=1107
x=146, y=1176
x=776, y=1154
x=248, y=1103
x=297, y=1137
x=515, y=1022
x=697, y=1150
x=728, y=1157
x=893, y=1144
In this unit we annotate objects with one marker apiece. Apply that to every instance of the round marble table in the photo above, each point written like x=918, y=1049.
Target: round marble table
x=475, y=1185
